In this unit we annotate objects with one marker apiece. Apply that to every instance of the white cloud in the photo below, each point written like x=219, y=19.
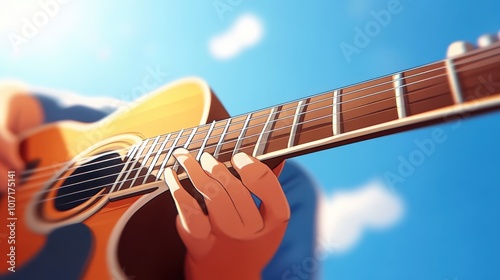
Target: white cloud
x=344, y=216
x=246, y=32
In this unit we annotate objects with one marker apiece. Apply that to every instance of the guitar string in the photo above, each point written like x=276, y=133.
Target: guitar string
x=254, y=135
x=280, y=119
x=207, y=137
x=263, y=116
x=321, y=100
x=258, y=125
x=105, y=194
x=276, y=120
x=146, y=175
x=156, y=179
x=121, y=165
x=142, y=176
x=236, y=131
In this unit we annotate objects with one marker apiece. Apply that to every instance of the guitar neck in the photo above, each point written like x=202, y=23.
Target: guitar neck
x=437, y=92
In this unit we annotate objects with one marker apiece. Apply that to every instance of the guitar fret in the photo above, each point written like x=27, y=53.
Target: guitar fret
x=131, y=152
x=336, y=112
x=155, y=159
x=134, y=163
x=242, y=133
x=151, y=149
x=190, y=138
x=175, y=167
x=129, y=157
x=400, y=91
x=293, y=132
x=145, y=160
x=264, y=135
x=202, y=148
x=456, y=90
x=170, y=151
x=221, y=139
x=367, y=104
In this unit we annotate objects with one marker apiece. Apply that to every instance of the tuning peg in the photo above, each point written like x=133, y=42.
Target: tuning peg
x=458, y=48
x=486, y=40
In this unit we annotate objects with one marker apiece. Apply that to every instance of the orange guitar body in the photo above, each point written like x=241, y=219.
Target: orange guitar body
x=131, y=236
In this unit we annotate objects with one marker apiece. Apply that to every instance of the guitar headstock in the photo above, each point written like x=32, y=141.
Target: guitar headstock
x=487, y=40
x=461, y=47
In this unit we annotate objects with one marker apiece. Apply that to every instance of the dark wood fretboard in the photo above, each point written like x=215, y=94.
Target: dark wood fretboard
x=433, y=93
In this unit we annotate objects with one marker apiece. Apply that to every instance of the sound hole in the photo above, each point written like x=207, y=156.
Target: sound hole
x=87, y=180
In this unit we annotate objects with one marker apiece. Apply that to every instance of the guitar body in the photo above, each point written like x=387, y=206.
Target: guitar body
x=54, y=150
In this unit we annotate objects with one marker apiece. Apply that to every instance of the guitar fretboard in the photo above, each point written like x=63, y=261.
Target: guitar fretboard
x=431, y=93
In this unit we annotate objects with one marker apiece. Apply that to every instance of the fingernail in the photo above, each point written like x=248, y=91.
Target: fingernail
x=241, y=160
x=180, y=151
x=168, y=174
x=208, y=162
x=181, y=155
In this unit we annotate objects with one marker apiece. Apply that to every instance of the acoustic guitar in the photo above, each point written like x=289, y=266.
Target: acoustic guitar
x=92, y=203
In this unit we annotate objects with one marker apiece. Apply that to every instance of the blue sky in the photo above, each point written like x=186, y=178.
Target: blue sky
x=449, y=229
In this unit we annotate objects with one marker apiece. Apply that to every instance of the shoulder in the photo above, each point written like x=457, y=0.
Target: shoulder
x=63, y=105
x=299, y=241
x=297, y=182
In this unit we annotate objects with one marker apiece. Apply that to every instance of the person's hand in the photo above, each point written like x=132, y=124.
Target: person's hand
x=19, y=112
x=236, y=239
